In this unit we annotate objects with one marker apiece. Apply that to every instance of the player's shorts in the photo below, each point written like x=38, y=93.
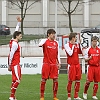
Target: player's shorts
x=93, y=74
x=16, y=72
x=49, y=71
x=74, y=72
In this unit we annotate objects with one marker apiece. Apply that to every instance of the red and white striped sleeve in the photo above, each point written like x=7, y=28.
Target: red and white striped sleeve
x=42, y=42
x=12, y=51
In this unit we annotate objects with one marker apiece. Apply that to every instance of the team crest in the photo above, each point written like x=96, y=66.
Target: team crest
x=54, y=43
x=97, y=51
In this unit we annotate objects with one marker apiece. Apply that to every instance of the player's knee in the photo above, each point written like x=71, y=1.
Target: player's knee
x=43, y=80
x=18, y=81
x=88, y=82
x=70, y=82
x=55, y=80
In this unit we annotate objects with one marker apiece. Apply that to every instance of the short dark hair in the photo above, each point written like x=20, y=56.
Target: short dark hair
x=94, y=38
x=50, y=31
x=72, y=35
x=16, y=33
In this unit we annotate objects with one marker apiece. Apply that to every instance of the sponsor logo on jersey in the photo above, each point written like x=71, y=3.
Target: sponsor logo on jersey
x=53, y=47
x=94, y=54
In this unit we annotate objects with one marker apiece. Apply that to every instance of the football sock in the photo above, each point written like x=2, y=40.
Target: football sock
x=69, y=88
x=55, y=88
x=87, y=84
x=76, y=87
x=13, y=88
x=95, y=89
x=42, y=88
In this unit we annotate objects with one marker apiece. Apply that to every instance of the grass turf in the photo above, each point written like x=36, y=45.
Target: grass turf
x=30, y=86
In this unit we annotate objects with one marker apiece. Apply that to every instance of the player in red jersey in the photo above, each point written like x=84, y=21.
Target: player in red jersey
x=51, y=62
x=74, y=69
x=92, y=56
x=14, y=60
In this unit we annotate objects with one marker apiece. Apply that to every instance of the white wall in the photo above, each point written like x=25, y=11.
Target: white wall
x=29, y=65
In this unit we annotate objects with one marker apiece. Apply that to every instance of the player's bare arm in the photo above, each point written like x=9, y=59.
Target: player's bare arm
x=9, y=68
x=18, y=19
x=87, y=59
x=18, y=24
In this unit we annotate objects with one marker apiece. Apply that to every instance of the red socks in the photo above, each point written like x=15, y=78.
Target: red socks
x=42, y=88
x=95, y=89
x=13, y=88
x=87, y=84
x=69, y=88
x=77, y=87
x=55, y=88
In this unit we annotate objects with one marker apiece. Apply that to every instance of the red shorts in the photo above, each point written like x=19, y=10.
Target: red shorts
x=74, y=72
x=49, y=71
x=16, y=72
x=93, y=74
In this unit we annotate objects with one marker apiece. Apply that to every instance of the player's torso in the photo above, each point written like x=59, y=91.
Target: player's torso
x=74, y=59
x=95, y=53
x=50, y=50
x=16, y=56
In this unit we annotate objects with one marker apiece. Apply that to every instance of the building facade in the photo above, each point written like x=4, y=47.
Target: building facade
x=41, y=16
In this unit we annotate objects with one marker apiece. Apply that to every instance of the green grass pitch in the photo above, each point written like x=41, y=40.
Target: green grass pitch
x=29, y=88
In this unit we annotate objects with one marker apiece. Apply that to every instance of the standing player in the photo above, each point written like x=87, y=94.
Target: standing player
x=14, y=60
x=51, y=62
x=92, y=55
x=74, y=69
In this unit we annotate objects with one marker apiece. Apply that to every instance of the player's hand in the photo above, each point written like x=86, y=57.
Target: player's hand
x=80, y=41
x=19, y=19
x=59, y=66
x=9, y=68
x=90, y=57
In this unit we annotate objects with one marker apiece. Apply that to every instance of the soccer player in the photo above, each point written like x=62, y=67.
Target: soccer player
x=14, y=60
x=92, y=56
x=72, y=50
x=51, y=62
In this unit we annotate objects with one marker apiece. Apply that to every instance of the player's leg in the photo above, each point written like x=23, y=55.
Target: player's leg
x=87, y=84
x=54, y=76
x=77, y=82
x=45, y=76
x=95, y=89
x=16, y=76
x=89, y=80
x=71, y=77
x=69, y=86
x=96, y=80
x=55, y=88
x=42, y=89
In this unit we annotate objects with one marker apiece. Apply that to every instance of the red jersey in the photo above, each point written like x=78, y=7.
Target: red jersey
x=14, y=55
x=95, y=53
x=50, y=51
x=72, y=51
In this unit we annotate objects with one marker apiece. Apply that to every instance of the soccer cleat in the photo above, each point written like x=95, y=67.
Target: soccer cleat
x=69, y=98
x=78, y=98
x=55, y=99
x=10, y=98
x=84, y=96
x=41, y=98
x=94, y=98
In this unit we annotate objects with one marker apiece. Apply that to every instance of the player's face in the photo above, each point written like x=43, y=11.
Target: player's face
x=74, y=39
x=94, y=43
x=52, y=36
x=19, y=37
